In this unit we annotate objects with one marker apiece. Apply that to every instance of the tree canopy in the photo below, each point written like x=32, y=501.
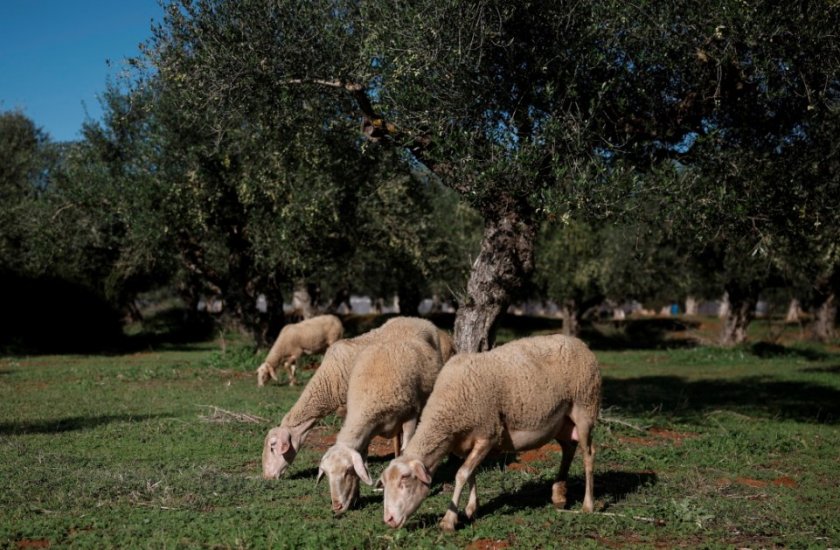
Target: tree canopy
x=373, y=145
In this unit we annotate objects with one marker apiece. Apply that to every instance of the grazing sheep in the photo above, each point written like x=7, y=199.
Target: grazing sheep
x=326, y=392
x=389, y=385
x=307, y=337
x=516, y=397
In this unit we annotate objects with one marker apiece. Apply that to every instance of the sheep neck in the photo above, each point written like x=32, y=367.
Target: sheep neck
x=320, y=397
x=356, y=437
x=430, y=447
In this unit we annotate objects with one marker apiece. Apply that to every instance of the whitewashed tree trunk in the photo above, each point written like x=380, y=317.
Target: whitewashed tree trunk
x=723, y=308
x=691, y=305
x=302, y=301
x=794, y=312
x=825, y=320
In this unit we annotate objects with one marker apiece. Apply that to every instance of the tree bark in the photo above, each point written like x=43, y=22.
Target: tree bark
x=794, y=311
x=740, y=313
x=724, y=307
x=825, y=319
x=506, y=258
x=302, y=300
x=571, y=322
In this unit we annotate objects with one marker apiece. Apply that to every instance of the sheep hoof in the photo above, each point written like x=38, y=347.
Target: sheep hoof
x=448, y=526
x=469, y=511
x=558, y=494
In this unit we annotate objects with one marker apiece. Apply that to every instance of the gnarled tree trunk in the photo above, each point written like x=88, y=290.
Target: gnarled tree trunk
x=740, y=314
x=304, y=298
x=571, y=322
x=825, y=319
x=505, y=260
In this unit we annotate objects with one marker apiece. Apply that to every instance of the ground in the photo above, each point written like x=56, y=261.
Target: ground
x=698, y=446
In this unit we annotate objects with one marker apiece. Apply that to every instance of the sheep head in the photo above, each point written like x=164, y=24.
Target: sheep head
x=344, y=467
x=406, y=482
x=263, y=374
x=278, y=452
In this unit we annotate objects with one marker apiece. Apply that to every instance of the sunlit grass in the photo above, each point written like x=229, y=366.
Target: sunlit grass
x=699, y=446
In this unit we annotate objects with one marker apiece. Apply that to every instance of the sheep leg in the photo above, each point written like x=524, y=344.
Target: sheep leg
x=291, y=367
x=408, y=429
x=479, y=451
x=472, y=503
x=558, y=490
x=583, y=423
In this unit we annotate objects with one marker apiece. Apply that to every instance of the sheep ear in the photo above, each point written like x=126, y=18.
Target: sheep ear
x=361, y=469
x=421, y=472
x=284, y=438
x=320, y=475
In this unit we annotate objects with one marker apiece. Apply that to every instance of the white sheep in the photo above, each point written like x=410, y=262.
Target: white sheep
x=516, y=397
x=304, y=338
x=389, y=385
x=326, y=392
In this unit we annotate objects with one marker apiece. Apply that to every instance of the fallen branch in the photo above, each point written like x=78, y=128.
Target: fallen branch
x=623, y=423
x=220, y=415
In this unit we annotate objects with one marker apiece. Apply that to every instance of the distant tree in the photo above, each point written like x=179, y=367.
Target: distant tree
x=106, y=204
x=569, y=269
x=26, y=156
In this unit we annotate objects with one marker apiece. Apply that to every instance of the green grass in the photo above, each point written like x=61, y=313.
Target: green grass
x=700, y=447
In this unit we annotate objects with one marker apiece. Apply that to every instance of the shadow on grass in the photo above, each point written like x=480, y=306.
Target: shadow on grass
x=305, y=474
x=768, y=350
x=755, y=395
x=611, y=487
x=835, y=369
x=72, y=423
x=634, y=334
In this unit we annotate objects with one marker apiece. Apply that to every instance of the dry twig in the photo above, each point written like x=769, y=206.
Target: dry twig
x=220, y=415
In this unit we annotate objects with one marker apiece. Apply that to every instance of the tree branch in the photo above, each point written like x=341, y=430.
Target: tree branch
x=374, y=126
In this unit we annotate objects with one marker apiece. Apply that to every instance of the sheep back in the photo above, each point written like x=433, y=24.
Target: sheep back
x=517, y=386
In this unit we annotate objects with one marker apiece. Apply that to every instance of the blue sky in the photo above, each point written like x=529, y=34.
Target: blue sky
x=53, y=56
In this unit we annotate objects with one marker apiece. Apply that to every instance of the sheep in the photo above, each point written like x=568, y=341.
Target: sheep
x=326, y=392
x=447, y=346
x=516, y=397
x=388, y=386
x=307, y=337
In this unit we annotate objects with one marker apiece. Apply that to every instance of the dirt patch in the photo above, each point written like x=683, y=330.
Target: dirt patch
x=676, y=437
x=381, y=447
x=321, y=440
x=487, y=544
x=750, y=482
x=33, y=543
x=784, y=481
x=539, y=455
x=661, y=436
